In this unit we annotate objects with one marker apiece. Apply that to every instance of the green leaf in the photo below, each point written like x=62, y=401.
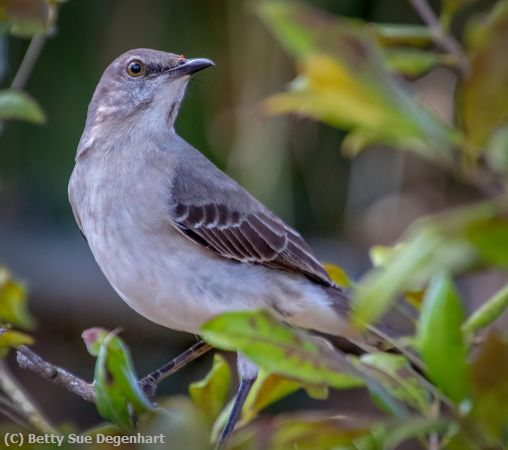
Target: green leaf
x=450, y=242
x=343, y=81
x=277, y=348
x=13, y=302
x=210, y=394
x=488, y=312
x=119, y=398
x=413, y=63
x=490, y=385
x=20, y=106
x=396, y=35
x=483, y=96
x=440, y=339
x=395, y=374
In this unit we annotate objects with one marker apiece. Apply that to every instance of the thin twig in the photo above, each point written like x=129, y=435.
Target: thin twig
x=23, y=404
x=25, y=68
x=150, y=382
x=29, y=360
x=9, y=411
x=442, y=38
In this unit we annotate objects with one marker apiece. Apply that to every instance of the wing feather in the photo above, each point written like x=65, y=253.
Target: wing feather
x=222, y=216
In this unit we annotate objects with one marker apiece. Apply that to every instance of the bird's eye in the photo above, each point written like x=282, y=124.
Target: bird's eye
x=136, y=69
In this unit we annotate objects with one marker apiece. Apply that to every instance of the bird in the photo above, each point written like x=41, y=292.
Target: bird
x=178, y=239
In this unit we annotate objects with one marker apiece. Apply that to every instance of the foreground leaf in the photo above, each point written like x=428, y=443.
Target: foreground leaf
x=277, y=348
x=296, y=355
x=441, y=342
x=119, y=398
x=20, y=106
x=210, y=394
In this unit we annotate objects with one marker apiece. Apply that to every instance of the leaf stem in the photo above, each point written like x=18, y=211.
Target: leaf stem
x=31, y=55
x=446, y=41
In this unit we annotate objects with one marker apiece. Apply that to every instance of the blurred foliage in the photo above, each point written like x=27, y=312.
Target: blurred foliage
x=18, y=105
x=344, y=80
x=13, y=302
x=210, y=394
x=351, y=75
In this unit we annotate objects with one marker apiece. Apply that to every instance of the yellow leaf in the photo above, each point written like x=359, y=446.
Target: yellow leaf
x=337, y=274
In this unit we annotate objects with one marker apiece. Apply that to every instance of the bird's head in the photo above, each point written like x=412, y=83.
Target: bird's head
x=143, y=84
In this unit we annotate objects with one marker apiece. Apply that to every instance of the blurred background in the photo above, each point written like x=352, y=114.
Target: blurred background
x=291, y=164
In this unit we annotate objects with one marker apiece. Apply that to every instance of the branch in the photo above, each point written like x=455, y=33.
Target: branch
x=29, y=360
x=443, y=39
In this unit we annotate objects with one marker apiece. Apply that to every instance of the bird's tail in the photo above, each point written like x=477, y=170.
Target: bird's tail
x=382, y=336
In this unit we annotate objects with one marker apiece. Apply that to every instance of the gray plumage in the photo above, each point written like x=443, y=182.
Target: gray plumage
x=177, y=238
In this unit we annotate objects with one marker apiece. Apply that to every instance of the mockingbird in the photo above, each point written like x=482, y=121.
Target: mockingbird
x=178, y=239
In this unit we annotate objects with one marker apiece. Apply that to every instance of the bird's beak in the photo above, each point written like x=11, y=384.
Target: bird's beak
x=191, y=66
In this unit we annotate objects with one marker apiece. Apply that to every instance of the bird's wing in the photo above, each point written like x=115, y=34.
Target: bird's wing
x=219, y=214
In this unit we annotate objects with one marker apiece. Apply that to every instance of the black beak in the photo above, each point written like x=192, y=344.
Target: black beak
x=191, y=66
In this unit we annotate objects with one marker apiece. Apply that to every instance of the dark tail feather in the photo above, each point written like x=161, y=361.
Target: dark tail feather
x=382, y=336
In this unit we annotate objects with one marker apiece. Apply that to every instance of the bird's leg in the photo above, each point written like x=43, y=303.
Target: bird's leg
x=248, y=373
x=150, y=382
